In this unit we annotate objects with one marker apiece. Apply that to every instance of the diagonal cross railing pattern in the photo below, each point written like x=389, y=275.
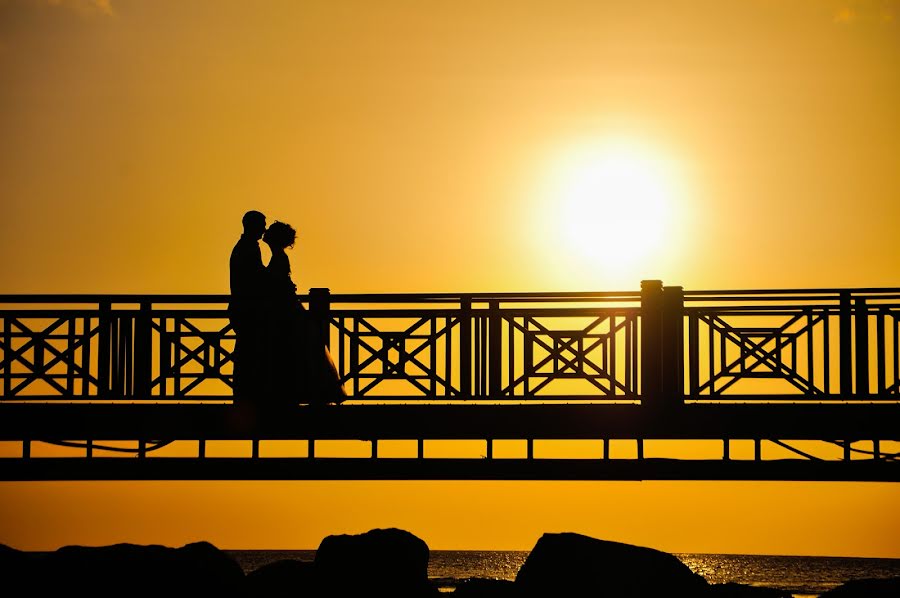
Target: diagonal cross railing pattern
x=597, y=358
x=798, y=346
x=379, y=353
x=785, y=350
x=54, y=352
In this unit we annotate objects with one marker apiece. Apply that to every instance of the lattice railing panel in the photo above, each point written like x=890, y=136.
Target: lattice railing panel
x=380, y=354
x=49, y=356
x=195, y=355
x=746, y=352
x=590, y=353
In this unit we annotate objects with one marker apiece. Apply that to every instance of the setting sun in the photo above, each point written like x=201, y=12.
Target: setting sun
x=615, y=207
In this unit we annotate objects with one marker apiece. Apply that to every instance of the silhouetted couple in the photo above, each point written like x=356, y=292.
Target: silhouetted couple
x=281, y=358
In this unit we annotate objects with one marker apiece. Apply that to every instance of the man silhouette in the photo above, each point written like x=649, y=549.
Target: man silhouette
x=247, y=310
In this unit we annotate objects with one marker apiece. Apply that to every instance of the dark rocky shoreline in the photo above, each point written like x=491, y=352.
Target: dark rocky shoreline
x=381, y=562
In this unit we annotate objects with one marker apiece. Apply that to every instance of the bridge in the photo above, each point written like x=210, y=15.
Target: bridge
x=660, y=384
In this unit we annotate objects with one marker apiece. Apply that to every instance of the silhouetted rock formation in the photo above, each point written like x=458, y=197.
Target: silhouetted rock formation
x=388, y=562
x=381, y=562
x=282, y=578
x=866, y=588
x=737, y=590
x=486, y=588
x=16, y=567
x=573, y=565
x=127, y=570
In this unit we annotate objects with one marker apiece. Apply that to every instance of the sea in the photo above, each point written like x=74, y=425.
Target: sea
x=802, y=576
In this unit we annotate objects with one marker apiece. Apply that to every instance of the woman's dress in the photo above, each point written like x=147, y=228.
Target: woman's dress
x=302, y=369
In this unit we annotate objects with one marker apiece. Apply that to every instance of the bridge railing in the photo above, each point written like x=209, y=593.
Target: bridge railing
x=661, y=346
x=478, y=347
x=796, y=345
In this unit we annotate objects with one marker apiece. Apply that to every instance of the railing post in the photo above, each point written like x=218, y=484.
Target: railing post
x=319, y=309
x=8, y=359
x=143, y=356
x=103, y=354
x=672, y=346
x=880, y=349
x=845, y=339
x=693, y=348
x=651, y=341
x=495, y=350
x=465, y=347
x=861, y=319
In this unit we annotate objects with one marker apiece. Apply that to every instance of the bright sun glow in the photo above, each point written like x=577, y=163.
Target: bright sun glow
x=614, y=207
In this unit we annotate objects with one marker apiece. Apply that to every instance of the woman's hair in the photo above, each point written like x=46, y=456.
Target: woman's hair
x=282, y=234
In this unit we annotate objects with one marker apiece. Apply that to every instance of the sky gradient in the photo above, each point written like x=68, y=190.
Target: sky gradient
x=432, y=147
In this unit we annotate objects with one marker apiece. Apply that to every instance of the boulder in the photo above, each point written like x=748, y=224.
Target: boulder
x=390, y=562
x=866, y=588
x=133, y=570
x=16, y=567
x=282, y=578
x=574, y=565
x=477, y=587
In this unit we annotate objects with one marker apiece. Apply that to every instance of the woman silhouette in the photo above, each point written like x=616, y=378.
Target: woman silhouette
x=301, y=363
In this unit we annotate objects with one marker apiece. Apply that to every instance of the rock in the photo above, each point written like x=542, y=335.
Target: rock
x=574, y=565
x=486, y=588
x=282, y=578
x=390, y=562
x=737, y=590
x=16, y=567
x=866, y=588
x=133, y=570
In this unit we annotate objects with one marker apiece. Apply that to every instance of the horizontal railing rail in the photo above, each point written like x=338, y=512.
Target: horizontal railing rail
x=660, y=347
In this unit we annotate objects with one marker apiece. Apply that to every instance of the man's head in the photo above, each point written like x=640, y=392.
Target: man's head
x=254, y=224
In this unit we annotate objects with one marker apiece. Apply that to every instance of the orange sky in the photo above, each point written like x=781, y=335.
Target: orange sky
x=432, y=146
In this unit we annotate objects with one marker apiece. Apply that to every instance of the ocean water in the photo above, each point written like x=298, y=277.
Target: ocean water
x=803, y=576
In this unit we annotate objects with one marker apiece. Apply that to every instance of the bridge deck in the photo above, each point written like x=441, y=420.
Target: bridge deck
x=452, y=422
x=29, y=423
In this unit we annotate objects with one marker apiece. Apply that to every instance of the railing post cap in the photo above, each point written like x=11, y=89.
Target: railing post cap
x=651, y=285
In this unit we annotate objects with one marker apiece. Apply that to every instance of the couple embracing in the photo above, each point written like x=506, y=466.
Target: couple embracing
x=280, y=355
